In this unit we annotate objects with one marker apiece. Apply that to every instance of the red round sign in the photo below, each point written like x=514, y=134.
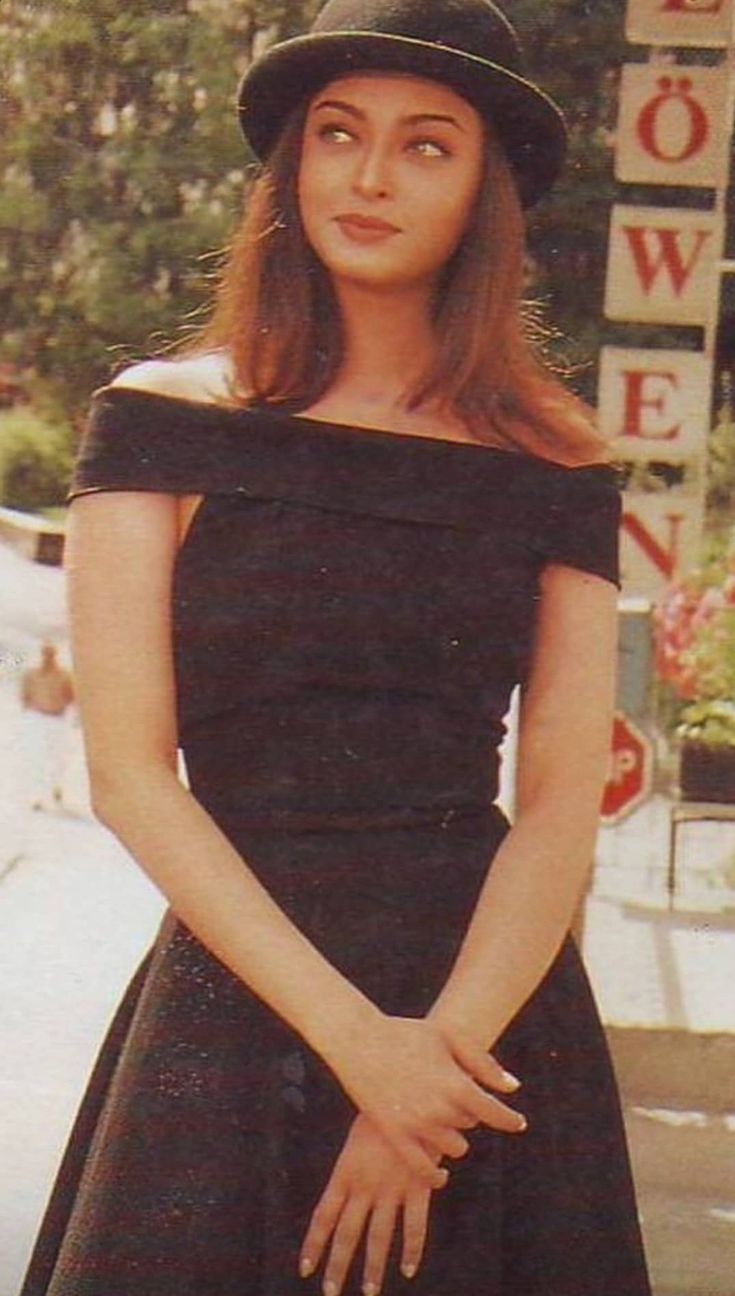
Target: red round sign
x=631, y=770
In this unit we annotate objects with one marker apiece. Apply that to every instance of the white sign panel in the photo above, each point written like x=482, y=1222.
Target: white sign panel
x=659, y=539
x=662, y=264
x=655, y=404
x=679, y=22
x=671, y=127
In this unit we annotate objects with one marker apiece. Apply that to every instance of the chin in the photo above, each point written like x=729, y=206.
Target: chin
x=378, y=267
x=376, y=272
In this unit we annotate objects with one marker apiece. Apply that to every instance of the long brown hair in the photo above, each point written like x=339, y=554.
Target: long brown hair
x=277, y=317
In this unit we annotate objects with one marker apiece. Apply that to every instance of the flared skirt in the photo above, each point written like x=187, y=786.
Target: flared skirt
x=209, y=1129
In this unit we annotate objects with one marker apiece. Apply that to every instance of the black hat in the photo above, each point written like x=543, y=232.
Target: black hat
x=467, y=44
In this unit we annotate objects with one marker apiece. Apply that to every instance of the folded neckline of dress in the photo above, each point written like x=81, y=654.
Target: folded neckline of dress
x=153, y=442
x=361, y=432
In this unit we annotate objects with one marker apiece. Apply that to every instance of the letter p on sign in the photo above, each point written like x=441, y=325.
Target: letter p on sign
x=630, y=772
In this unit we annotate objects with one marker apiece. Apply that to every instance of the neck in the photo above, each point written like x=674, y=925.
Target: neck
x=389, y=341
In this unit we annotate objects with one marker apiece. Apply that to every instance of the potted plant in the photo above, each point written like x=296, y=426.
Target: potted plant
x=696, y=657
x=707, y=758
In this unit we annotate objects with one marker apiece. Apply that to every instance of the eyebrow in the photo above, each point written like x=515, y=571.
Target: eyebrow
x=413, y=119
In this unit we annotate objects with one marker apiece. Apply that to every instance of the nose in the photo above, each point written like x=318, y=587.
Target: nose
x=372, y=176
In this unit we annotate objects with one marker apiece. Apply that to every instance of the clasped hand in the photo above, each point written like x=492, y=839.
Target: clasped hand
x=417, y=1085
x=420, y=1082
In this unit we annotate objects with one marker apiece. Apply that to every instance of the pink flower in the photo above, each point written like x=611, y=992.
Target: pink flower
x=677, y=620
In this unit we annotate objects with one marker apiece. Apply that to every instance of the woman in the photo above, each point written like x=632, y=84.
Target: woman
x=319, y=554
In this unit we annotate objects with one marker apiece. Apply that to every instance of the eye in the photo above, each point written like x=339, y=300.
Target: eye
x=429, y=148
x=335, y=134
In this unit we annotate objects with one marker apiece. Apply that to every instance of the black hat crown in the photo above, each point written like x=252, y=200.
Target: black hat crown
x=468, y=45
x=472, y=26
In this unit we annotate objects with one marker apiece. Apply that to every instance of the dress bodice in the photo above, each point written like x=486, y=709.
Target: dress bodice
x=352, y=608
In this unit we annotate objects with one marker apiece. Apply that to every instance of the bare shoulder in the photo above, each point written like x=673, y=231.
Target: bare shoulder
x=206, y=377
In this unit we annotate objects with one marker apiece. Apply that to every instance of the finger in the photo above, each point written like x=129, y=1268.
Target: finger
x=417, y=1160
x=415, y=1226
x=491, y=1111
x=379, y=1237
x=483, y=1066
x=344, y=1243
x=463, y=1121
x=450, y=1143
x=321, y=1226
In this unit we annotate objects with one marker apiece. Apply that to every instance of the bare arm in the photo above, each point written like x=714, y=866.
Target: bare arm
x=121, y=549
x=528, y=900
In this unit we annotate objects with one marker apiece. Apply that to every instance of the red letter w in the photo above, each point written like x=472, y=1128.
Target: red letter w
x=648, y=264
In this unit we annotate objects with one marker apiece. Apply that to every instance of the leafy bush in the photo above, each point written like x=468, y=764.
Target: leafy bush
x=711, y=722
x=721, y=471
x=35, y=460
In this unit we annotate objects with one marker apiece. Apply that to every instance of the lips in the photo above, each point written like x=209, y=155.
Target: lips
x=355, y=225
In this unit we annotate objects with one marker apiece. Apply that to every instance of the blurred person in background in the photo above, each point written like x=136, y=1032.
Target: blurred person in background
x=47, y=698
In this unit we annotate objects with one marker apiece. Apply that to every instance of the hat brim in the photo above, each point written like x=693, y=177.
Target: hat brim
x=528, y=122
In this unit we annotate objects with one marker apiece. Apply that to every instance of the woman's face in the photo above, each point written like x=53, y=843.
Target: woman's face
x=390, y=169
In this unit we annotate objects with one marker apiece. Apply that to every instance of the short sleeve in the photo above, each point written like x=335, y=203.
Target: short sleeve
x=584, y=521
x=135, y=441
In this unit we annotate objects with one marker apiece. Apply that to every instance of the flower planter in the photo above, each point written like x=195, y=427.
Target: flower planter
x=707, y=773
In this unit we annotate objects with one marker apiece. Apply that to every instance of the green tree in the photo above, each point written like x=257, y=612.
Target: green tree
x=35, y=460
x=576, y=48
x=122, y=167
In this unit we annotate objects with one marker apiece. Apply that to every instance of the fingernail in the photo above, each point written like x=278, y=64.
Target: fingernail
x=370, y=1289
x=306, y=1267
x=522, y=1124
x=408, y=1270
x=512, y=1081
x=330, y=1288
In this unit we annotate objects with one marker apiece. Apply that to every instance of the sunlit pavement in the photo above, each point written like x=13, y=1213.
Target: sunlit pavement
x=656, y=962
x=75, y=917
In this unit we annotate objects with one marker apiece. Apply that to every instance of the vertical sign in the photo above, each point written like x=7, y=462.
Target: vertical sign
x=660, y=538
x=665, y=267
x=662, y=264
x=705, y=23
x=670, y=126
x=655, y=404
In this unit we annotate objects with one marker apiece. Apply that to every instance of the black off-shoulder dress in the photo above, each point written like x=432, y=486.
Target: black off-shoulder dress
x=352, y=609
